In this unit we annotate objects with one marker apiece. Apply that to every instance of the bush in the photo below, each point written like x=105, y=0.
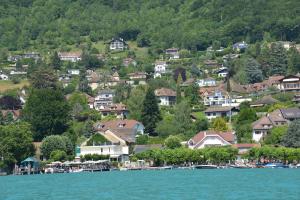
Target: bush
x=58, y=155
x=142, y=139
x=15, y=80
x=97, y=139
x=173, y=142
x=56, y=142
x=93, y=157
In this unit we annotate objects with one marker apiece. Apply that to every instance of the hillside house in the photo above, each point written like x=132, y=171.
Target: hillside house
x=214, y=96
x=166, y=96
x=211, y=138
x=266, y=100
x=207, y=82
x=117, y=44
x=160, y=67
x=120, y=134
x=70, y=56
x=290, y=83
x=75, y=72
x=3, y=77
x=119, y=110
x=264, y=124
x=129, y=61
x=137, y=76
x=239, y=46
x=222, y=72
x=104, y=98
x=172, y=53
x=220, y=111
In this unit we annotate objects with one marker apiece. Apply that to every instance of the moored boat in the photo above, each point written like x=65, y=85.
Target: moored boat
x=206, y=167
x=275, y=165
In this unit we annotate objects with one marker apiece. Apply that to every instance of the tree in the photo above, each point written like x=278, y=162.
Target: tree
x=253, y=71
x=58, y=155
x=201, y=125
x=55, y=142
x=19, y=65
x=275, y=135
x=192, y=94
x=173, y=142
x=178, y=89
x=122, y=93
x=9, y=102
x=150, y=112
x=15, y=143
x=292, y=137
x=277, y=60
x=47, y=111
x=182, y=118
x=43, y=78
x=219, y=124
x=135, y=103
x=294, y=60
x=55, y=61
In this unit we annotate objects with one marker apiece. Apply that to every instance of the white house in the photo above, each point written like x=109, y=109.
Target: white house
x=120, y=134
x=216, y=97
x=17, y=73
x=211, y=138
x=3, y=77
x=220, y=111
x=207, y=82
x=278, y=117
x=70, y=56
x=115, y=147
x=240, y=46
x=160, y=67
x=166, y=96
x=117, y=44
x=172, y=53
x=222, y=72
x=104, y=98
x=74, y=72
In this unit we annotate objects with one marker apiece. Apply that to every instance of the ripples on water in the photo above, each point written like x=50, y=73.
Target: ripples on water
x=230, y=184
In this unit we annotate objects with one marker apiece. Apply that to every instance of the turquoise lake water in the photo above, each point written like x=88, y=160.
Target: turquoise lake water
x=169, y=184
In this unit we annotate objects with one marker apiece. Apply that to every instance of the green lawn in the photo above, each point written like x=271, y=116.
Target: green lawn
x=8, y=85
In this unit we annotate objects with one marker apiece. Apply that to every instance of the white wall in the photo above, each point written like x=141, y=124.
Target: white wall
x=105, y=150
x=210, y=141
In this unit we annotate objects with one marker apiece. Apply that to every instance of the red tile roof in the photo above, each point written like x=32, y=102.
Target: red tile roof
x=165, y=92
x=246, y=145
x=227, y=136
x=69, y=54
x=116, y=124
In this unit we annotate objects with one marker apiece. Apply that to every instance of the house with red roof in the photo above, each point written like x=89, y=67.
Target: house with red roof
x=211, y=138
x=70, y=56
x=119, y=110
x=119, y=135
x=166, y=96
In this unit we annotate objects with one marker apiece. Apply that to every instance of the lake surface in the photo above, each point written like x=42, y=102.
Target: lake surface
x=169, y=184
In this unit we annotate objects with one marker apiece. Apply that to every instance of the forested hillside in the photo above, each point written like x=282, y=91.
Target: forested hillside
x=190, y=24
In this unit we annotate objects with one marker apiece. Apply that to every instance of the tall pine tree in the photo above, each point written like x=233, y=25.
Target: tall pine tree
x=253, y=71
x=150, y=112
x=277, y=60
x=55, y=61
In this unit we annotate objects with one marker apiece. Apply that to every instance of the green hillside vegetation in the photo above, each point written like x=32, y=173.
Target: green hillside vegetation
x=191, y=24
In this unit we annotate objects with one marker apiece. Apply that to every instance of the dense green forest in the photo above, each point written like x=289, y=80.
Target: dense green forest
x=190, y=24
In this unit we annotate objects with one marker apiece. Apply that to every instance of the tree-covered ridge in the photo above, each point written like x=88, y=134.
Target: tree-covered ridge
x=194, y=24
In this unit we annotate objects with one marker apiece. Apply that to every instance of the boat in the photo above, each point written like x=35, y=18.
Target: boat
x=76, y=171
x=206, y=167
x=275, y=165
x=240, y=166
